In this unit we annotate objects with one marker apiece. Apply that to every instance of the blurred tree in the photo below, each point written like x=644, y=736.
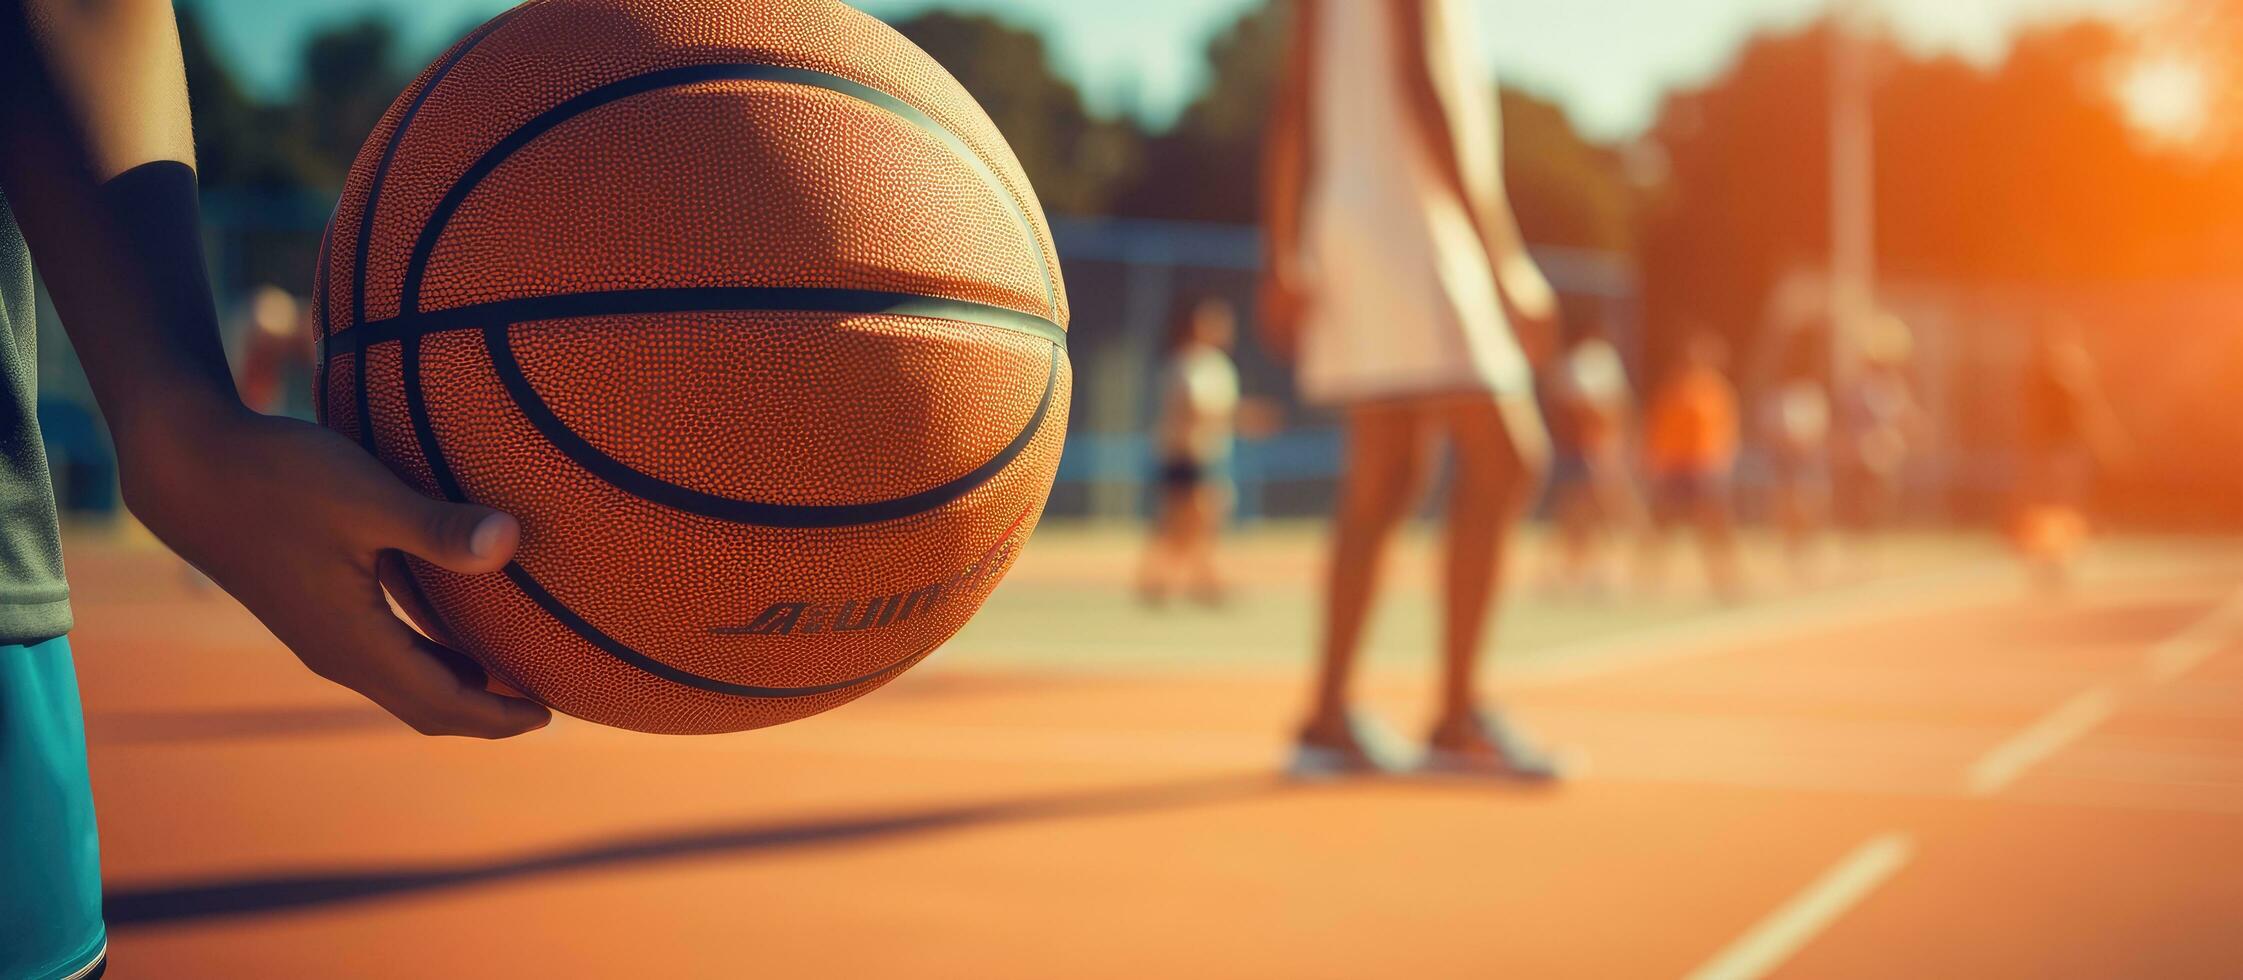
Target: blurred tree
x=1074, y=158
x=350, y=76
x=1568, y=191
x=239, y=142
x=1208, y=167
x=2029, y=172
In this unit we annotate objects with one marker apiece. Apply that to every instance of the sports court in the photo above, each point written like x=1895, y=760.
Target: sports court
x=1929, y=770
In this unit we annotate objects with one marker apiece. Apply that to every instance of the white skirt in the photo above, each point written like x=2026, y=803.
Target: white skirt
x=1401, y=311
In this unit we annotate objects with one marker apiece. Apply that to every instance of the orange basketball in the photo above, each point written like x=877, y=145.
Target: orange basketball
x=743, y=307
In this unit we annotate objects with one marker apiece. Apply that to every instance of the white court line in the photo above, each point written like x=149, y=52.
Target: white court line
x=1924, y=594
x=2069, y=722
x=2183, y=651
x=1994, y=771
x=1796, y=923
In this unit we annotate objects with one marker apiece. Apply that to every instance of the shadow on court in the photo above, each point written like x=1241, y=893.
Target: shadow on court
x=132, y=905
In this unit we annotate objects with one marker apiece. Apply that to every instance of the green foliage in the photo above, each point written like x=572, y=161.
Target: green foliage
x=2027, y=172
x=238, y=142
x=1208, y=167
x=1073, y=158
x=1565, y=189
x=350, y=76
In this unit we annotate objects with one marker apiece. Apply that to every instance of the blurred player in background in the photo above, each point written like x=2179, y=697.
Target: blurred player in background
x=1194, y=436
x=1592, y=492
x=1796, y=418
x=1878, y=420
x=2069, y=434
x=1690, y=450
x=1396, y=276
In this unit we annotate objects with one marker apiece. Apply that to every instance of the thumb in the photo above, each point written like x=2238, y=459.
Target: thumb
x=466, y=538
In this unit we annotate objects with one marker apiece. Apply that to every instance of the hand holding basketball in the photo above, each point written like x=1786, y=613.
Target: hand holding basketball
x=291, y=520
x=749, y=315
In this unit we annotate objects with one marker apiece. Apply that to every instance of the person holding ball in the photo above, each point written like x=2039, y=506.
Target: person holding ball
x=97, y=172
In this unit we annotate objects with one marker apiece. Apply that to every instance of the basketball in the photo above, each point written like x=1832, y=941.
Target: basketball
x=745, y=309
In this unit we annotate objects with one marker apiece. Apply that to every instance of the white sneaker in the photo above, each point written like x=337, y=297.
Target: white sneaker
x=1371, y=749
x=1496, y=749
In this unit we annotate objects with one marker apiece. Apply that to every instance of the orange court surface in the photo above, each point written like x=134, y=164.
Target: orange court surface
x=1926, y=771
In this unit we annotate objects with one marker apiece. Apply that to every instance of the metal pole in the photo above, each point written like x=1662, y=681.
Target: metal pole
x=1853, y=205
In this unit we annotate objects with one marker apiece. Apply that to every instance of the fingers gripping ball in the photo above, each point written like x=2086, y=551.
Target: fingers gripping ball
x=743, y=308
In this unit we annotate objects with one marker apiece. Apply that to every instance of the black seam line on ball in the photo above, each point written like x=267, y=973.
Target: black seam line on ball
x=567, y=617
x=758, y=513
x=323, y=310
x=424, y=431
x=373, y=201
x=433, y=229
x=448, y=485
x=700, y=299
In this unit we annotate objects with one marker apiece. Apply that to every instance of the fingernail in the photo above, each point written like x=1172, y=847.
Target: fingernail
x=484, y=542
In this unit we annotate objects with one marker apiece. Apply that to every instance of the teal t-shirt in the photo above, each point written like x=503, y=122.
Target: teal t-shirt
x=34, y=599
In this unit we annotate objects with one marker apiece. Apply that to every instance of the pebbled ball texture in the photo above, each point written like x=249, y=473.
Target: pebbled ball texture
x=743, y=307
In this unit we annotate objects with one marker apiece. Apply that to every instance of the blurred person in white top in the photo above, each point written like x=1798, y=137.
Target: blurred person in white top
x=1194, y=436
x=1397, y=279
x=1798, y=422
x=1592, y=491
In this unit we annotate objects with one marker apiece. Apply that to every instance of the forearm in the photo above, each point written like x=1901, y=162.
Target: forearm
x=97, y=166
x=1525, y=290
x=1286, y=151
x=1466, y=156
x=137, y=304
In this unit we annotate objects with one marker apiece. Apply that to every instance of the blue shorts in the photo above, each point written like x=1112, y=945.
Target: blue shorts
x=50, y=859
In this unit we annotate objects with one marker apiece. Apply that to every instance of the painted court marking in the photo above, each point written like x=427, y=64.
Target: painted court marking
x=1997, y=769
x=1722, y=632
x=2171, y=658
x=2183, y=651
x=1797, y=922
x=1774, y=940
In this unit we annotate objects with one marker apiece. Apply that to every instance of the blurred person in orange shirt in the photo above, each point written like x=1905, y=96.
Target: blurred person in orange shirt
x=1592, y=491
x=1690, y=450
x=1397, y=280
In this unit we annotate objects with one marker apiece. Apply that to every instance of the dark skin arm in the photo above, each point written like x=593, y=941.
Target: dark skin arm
x=96, y=160
x=1285, y=162
x=1477, y=177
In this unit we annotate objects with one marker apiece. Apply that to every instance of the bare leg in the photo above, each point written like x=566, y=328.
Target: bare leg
x=1154, y=577
x=1205, y=513
x=1500, y=452
x=1385, y=454
x=1651, y=544
x=1577, y=516
x=1790, y=506
x=1717, y=537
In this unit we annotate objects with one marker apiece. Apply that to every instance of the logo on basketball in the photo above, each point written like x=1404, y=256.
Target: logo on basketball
x=875, y=612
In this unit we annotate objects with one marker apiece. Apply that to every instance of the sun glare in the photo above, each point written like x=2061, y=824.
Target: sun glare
x=2168, y=97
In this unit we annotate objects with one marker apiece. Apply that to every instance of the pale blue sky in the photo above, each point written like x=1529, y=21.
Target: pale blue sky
x=1607, y=61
